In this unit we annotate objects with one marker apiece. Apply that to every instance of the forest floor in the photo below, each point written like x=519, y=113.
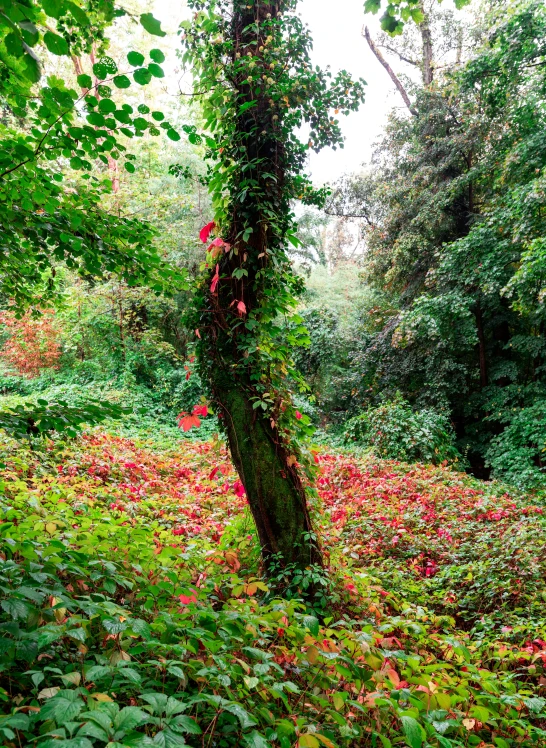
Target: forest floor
x=131, y=574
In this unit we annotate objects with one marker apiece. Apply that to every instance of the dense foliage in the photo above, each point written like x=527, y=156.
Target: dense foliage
x=158, y=589
x=455, y=226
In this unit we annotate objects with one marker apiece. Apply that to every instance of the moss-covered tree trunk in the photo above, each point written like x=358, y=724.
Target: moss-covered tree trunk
x=243, y=297
x=275, y=492
x=252, y=68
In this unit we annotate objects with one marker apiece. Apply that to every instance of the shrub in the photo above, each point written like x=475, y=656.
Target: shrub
x=395, y=431
x=32, y=345
x=518, y=454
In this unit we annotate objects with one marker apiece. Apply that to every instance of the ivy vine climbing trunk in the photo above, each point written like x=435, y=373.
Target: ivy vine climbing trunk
x=251, y=60
x=264, y=457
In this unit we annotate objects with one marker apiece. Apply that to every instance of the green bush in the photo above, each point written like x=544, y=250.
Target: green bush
x=395, y=431
x=518, y=454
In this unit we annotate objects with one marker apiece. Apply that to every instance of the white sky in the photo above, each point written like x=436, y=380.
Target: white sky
x=338, y=43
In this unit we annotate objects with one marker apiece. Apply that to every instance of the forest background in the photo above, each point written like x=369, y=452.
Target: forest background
x=424, y=281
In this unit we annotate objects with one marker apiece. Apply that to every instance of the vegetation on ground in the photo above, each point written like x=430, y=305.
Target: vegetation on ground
x=134, y=610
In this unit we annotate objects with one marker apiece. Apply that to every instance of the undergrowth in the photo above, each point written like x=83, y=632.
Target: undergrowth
x=134, y=611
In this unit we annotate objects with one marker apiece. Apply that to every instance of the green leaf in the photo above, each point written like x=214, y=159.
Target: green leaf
x=312, y=624
x=107, y=106
x=372, y=6
x=156, y=70
x=157, y=55
x=78, y=14
x=142, y=76
x=385, y=742
x=56, y=44
x=391, y=25
x=62, y=708
x=172, y=134
x=255, y=740
x=129, y=167
x=242, y=715
x=31, y=70
x=135, y=59
x=84, y=81
x=100, y=71
x=187, y=724
x=151, y=24
x=130, y=717
x=122, y=81
x=14, y=45
x=53, y=8
x=15, y=608
x=413, y=731
x=96, y=119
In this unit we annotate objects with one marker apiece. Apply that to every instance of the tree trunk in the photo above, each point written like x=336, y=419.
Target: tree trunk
x=275, y=491
x=241, y=298
x=426, y=37
x=392, y=75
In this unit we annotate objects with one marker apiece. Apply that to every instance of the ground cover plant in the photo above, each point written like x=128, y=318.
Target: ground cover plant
x=134, y=610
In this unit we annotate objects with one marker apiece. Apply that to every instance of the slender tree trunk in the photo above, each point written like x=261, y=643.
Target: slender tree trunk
x=229, y=351
x=392, y=75
x=426, y=37
x=481, y=346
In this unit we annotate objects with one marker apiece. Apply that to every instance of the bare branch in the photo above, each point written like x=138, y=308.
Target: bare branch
x=401, y=57
x=390, y=71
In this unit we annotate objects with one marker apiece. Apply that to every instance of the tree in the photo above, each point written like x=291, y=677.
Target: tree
x=45, y=218
x=455, y=219
x=251, y=64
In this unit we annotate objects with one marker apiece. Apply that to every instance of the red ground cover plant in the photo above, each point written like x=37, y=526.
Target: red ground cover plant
x=415, y=551
x=33, y=343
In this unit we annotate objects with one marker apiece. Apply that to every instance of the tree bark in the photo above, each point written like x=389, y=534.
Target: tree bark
x=427, y=58
x=275, y=491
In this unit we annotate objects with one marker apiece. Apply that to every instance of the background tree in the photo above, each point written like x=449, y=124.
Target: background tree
x=455, y=226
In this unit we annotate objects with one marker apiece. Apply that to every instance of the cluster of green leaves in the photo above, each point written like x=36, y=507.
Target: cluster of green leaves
x=43, y=417
x=46, y=218
x=455, y=207
x=397, y=432
x=399, y=12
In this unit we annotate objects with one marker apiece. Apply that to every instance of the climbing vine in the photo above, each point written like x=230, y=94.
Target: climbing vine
x=260, y=92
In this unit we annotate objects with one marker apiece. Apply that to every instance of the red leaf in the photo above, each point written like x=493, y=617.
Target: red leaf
x=215, y=280
x=187, y=599
x=216, y=247
x=241, y=308
x=187, y=421
x=298, y=415
x=198, y=334
x=213, y=473
x=205, y=231
x=239, y=488
x=200, y=410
